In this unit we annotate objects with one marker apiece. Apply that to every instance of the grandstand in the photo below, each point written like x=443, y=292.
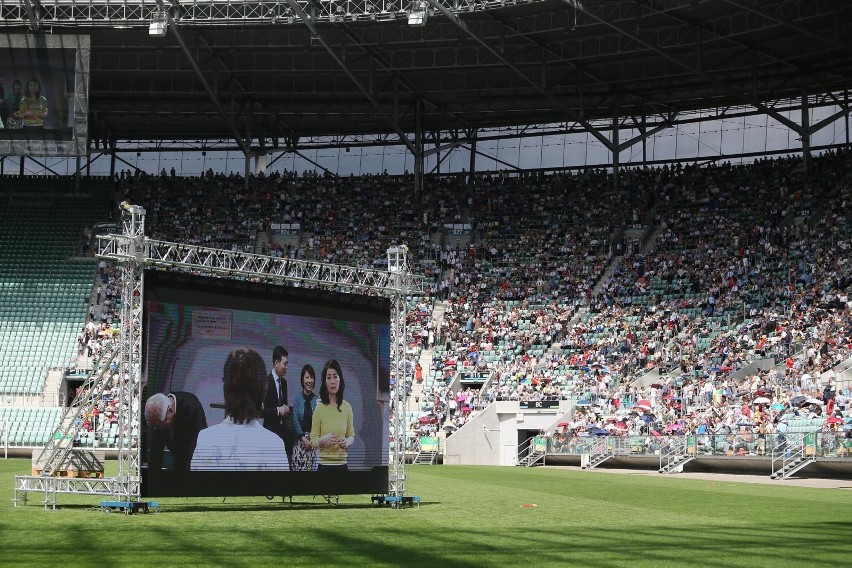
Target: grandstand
x=496, y=320
x=619, y=313
x=47, y=284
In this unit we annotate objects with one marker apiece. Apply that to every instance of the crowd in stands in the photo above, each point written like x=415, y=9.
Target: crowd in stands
x=98, y=337
x=746, y=262
x=571, y=286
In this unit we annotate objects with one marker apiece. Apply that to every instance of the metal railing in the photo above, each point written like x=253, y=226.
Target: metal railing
x=675, y=450
x=531, y=450
x=820, y=445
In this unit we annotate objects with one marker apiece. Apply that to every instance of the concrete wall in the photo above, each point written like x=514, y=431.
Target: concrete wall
x=752, y=368
x=492, y=437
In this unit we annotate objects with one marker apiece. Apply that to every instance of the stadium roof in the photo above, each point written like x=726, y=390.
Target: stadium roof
x=472, y=65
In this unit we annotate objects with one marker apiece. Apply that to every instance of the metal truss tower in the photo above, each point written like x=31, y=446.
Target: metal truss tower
x=133, y=253
x=131, y=259
x=398, y=268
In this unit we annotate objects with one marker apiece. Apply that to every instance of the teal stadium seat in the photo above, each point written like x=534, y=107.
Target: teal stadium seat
x=42, y=283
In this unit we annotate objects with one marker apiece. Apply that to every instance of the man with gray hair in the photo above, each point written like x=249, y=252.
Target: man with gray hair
x=174, y=421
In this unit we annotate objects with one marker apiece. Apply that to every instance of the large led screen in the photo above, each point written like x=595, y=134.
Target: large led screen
x=256, y=389
x=44, y=83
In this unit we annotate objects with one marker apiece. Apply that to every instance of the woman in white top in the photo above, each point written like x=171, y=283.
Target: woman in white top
x=240, y=442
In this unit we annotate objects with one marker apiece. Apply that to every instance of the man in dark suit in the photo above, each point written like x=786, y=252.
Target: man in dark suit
x=174, y=421
x=277, y=415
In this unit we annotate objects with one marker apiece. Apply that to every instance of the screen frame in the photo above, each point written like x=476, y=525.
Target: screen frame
x=190, y=289
x=78, y=144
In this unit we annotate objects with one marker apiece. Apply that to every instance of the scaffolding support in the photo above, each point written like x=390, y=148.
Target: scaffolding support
x=130, y=353
x=398, y=268
x=133, y=252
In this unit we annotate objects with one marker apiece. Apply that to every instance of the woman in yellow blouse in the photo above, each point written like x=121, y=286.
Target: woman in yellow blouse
x=333, y=426
x=33, y=107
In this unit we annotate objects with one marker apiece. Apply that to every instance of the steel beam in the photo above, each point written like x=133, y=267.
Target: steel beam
x=496, y=53
x=792, y=25
x=473, y=151
x=320, y=166
x=376, y=56
x=34, y=19
x=243, y=265
x=138, y=13
x=693, y=70
x=236, y=81
x=391, y=121
x=584, y=72
x=755, y=50
x=201, y=78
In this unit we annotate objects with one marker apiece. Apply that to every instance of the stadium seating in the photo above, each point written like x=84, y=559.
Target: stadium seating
x=29, y=426
x=549, y=299
x=45, y=286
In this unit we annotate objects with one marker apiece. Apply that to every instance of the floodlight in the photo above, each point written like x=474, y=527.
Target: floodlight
x=418, y=14
x=159, y=25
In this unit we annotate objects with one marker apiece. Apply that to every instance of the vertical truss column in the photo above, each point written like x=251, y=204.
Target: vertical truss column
x=418, y=148
x=398, y=267
x=806, y=134
x=130, y=350
x=616, y=149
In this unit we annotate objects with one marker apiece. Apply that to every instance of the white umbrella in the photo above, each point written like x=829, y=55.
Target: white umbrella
x=762, y=400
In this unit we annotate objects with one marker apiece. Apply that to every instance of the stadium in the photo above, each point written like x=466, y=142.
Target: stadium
x=605, y=318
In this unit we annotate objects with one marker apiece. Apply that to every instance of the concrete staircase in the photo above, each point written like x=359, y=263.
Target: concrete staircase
x=792, y=466
x=677, y=454
x=610, y=270
x=425, y=458
x=418, y=389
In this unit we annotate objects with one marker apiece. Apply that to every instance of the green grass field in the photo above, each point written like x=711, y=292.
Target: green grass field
x=470, y=516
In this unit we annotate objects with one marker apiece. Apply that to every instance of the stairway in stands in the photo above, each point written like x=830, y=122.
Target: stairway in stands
x=417, y=395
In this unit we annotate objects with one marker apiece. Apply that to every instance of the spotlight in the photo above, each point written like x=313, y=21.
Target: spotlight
x=159, y=26
x=418, y=14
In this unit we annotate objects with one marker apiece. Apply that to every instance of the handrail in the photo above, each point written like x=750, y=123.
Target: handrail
x=674, y=450
x=598, y=448
x=58, y=447
x=525, y=449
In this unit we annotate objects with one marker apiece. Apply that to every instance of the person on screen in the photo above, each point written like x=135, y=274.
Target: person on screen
x=240, y=442
x=174, y=422
x=13, y=104
x=5, y=111
x=304, y=404
x=33, y=107
x=277, y=415
x=333, y=426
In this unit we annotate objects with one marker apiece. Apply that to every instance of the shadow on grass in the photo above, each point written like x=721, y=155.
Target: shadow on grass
x=212, y=540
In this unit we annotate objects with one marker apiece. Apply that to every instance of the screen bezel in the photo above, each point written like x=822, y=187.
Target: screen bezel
x=77, y=145
x=184, y=288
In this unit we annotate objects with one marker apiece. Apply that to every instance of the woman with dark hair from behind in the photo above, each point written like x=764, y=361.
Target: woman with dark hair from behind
x=333, y=427
x=240, y=442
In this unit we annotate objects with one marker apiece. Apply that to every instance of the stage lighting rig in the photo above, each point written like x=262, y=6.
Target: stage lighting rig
x=418, y=14
x=160, y=25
